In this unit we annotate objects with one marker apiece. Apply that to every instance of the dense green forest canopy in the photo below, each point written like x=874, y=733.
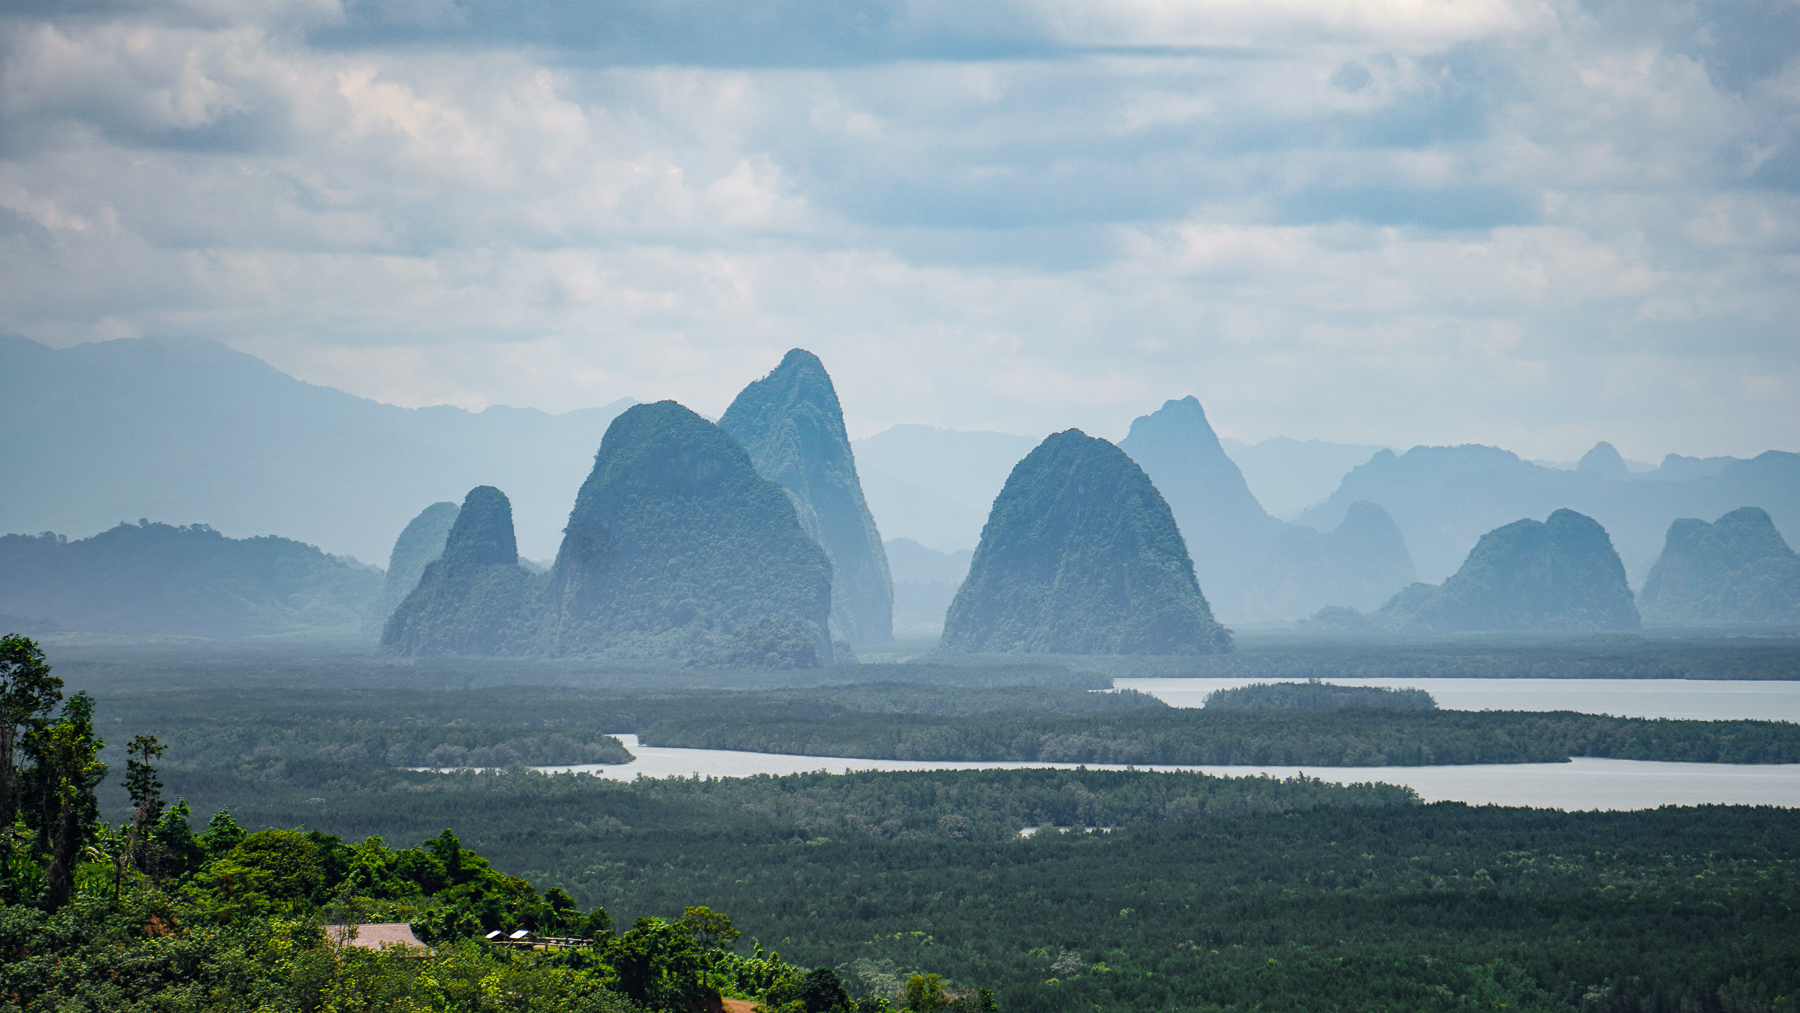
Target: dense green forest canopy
x=1315, y=695
x=1188, y=892
x=1081, y=554
x=1237, y=737
x=106, y=664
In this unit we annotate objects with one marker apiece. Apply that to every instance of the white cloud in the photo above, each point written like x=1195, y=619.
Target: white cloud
x=1394, y=222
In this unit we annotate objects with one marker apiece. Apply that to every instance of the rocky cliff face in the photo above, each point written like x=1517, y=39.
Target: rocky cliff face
x=475, y=598
x=792, y=426
x=1736, y=569
x=1558, y=574
x=1080, y=555
x=420, y=542
x=1251, y=564
x=676, y=546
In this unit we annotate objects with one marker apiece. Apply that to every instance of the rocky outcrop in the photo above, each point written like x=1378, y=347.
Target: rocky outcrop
x=475, y=598
x=420, y=542
x=791, y=424
x=1736, y=569
x=1080, y=555
x=676, y=545
x=1558, y=574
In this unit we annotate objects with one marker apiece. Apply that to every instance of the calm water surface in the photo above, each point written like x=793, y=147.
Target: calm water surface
x=1634, y=698
x=1582, y=784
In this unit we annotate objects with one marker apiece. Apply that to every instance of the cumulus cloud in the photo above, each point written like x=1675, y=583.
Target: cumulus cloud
x=1538, y=223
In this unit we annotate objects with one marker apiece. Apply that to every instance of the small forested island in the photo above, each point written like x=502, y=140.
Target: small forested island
x=1080, y=555
x=1316, y=695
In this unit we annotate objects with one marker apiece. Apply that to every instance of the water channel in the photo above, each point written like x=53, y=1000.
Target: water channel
x=1581, y=784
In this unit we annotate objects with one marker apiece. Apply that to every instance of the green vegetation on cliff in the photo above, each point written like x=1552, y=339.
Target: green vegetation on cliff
x=791, y=424
x=1736, y=569
x=475, y=598
x=419, y=543
x=1557, y=574
x=1080, y=555
x=676, y=544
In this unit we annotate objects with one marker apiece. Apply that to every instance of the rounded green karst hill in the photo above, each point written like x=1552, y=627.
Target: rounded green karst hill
x=676, y=546
x=792, y=426
x=1556, y=574
x=1080, y=555
x=1736, y=569
x=475, y=598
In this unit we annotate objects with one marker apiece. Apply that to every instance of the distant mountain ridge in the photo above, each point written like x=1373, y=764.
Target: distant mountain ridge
x=191, y=431
x=184, y=581
x=935, y=486
x=925, y=582
x=1445, y=498
x=1252, y=565
x=1560, y=573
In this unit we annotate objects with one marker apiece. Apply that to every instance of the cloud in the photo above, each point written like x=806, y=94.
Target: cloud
x=1397, y=221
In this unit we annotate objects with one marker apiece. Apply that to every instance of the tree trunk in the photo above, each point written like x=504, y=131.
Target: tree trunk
x=6, y=776
x=61, y=876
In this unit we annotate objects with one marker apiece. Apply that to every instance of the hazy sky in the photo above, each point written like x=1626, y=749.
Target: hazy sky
x=1536, y=224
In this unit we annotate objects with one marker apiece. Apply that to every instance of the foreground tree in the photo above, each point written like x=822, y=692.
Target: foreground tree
x=146, y=801
x=28, y=692
x=68, y=770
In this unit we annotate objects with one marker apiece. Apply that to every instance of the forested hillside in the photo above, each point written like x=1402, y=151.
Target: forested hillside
x=184, y=581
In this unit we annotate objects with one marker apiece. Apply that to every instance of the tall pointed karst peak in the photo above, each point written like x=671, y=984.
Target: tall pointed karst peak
x=677, y=548
x=483, y=532
x=1604, y=461
x=1176, y=445
x=475, y=598
x=1228, y=532
x=791, y=424
x=1080, y=555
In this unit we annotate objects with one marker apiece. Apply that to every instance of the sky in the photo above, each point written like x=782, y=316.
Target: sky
x=1530, y=223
